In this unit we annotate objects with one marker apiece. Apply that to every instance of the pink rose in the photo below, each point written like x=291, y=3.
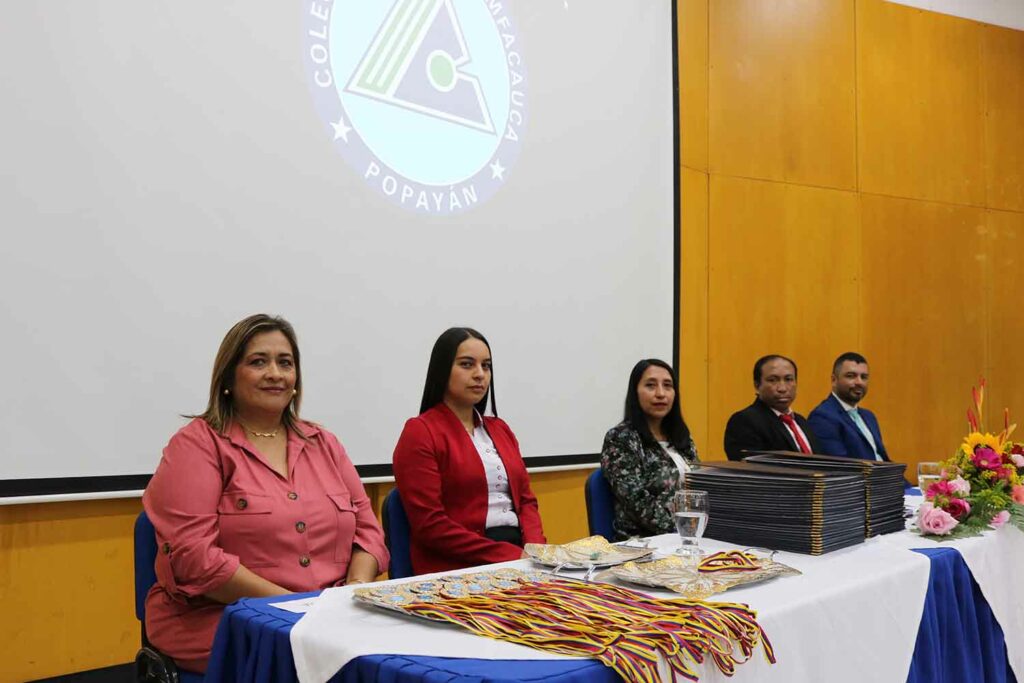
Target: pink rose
x=1000, y=519
x=961, y=486
x=958, y=507
x=939, y=488
x=933, y=520
x=986, y=459
x=1017, y=458
x=1018, y=494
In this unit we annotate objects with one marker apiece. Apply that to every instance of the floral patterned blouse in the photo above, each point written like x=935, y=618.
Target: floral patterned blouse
x=643, y=479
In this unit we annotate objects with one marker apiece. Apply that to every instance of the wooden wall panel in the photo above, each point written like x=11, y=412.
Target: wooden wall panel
x=67, y=587
x=693, y=299
x=923, y=320
x=784, y=271
x=919, y=104
x=562, y=508
x=693, y=83
x=781, y=90
x=1003, y=83
x=1005, y=323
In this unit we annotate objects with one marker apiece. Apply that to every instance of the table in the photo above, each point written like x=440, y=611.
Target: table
x=958, y=641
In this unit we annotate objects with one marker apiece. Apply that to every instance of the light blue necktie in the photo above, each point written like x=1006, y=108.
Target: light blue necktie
x=859, y=421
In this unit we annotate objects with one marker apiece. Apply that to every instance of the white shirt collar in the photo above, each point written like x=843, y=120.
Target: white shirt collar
x=846, y=406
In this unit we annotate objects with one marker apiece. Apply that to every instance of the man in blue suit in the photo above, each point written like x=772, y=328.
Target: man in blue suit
x=841, y=427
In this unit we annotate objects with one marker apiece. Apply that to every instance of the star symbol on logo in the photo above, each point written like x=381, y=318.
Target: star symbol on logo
x=340, y=129
x=497, y=170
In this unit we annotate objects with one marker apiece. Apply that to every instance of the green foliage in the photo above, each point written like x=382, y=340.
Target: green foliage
x=1017, y=515
x=986, y=503
x=967, y=528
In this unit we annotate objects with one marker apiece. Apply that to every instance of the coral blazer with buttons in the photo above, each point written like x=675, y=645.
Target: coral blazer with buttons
x=443, y=486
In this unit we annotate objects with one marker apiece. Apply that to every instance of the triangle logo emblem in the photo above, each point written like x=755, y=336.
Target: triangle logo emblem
x=416, y=61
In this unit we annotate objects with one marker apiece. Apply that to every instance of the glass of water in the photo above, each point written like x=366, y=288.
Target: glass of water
x=690, y=511
x=928, y=473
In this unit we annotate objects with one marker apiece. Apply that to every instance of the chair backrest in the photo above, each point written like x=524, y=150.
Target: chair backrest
x=600, y=505
x=145, y=561
x=150, y=663
x=397, y=536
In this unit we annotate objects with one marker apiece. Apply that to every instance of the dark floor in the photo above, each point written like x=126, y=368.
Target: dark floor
x=122, y=673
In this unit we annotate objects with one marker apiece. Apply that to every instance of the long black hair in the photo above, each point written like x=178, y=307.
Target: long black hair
x=673, y=426
x=439, y=370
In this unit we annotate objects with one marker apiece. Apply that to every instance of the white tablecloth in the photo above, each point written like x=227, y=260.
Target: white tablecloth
x=871, y=595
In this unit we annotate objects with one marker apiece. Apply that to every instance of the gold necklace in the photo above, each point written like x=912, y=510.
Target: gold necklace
x=265, y=435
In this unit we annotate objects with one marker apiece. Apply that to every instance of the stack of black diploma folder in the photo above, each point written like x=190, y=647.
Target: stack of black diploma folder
x=883, y=483
x=801, y=510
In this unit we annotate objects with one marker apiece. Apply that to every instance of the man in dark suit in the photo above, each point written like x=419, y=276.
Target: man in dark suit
x=769, y=423
x=842, y=427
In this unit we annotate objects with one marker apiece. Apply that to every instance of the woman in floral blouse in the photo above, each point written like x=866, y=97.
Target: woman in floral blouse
x=645, y=455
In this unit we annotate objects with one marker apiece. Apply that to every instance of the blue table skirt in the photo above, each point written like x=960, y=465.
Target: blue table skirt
x=959, y=638
x=959, y=641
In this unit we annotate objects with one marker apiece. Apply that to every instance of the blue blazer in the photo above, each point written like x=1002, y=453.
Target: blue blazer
x=839, y=435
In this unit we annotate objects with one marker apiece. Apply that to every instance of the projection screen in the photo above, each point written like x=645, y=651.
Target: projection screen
x=375, y=171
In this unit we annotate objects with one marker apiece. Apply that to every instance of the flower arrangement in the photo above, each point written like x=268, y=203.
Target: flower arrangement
x=982, y=485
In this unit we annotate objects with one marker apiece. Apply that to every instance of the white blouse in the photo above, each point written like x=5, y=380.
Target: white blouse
x=671, y=452
x=500, y=511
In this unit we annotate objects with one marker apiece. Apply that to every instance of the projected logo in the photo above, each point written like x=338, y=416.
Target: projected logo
x=426, y=99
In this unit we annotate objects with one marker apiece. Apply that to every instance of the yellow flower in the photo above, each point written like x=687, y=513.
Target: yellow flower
x=975, y=439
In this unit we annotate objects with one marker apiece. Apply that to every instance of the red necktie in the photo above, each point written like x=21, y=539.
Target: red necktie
x=791, y=423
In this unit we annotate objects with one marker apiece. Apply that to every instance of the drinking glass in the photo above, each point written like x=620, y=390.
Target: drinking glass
x=690, y=511
x=928, y=473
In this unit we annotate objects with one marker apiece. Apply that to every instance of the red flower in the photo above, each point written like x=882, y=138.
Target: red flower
x=1005, y=471
x=986, y=459
x=958, y=507
x=939, y=488
x=1018, y=449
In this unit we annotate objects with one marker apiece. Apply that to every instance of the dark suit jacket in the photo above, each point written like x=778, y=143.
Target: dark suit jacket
x=441, y=478
x=757, y=428
x=839, y=434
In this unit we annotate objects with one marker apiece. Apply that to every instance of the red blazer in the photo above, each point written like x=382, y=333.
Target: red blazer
x=444, y=491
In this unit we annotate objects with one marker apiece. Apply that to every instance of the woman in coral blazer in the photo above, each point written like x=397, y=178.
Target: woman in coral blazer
x=460, y=475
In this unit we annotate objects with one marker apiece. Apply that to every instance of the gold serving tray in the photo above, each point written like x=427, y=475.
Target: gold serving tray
x=681, y=576
x=586, y=553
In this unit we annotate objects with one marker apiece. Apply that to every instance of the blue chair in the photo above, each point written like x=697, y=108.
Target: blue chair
x=397, y=536
x=151, y=665
x=600, y=505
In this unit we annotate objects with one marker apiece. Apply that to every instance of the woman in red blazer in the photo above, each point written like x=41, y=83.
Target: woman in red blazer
x=460, y=475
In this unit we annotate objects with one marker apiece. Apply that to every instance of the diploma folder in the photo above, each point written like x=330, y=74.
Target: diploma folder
x=883, y=483
x=781, y=507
